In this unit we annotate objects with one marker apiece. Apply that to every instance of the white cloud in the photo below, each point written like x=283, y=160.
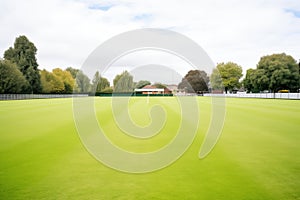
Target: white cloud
x=67, y=31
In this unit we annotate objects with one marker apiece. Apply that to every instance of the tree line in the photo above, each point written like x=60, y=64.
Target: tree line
x=225, y=76
x=19, y=73
x=273, y=73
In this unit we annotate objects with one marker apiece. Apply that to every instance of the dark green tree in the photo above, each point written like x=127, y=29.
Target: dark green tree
x=230, y=73
x=298, y=77
x=142, y=83
x=260, y=80
x=277, y=71
x=195, y=81
x=11, y=79
x=248, y=81
x=123, y=82
x=23, y=55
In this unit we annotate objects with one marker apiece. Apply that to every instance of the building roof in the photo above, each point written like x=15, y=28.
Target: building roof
x=149, y=87
x=149, y=90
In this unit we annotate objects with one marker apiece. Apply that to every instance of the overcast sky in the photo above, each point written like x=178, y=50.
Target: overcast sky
x=67, y=31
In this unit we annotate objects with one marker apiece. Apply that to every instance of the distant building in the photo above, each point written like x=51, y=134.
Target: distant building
x=151, y=89
x=173, y=88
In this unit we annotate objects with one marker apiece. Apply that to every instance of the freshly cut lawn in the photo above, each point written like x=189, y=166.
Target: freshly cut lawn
x=256, y=157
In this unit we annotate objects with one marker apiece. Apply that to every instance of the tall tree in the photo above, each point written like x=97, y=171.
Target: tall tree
x=83, y=82
x=123, y=82
x=116, y=79
x=274, y=72
x=248, y=82
x=230, y=73
x=142, y=83
x=99, y=83
x=11, y=79
x=256, y=80
x=279, y=71
x=194, y=81
x=298, y=77
x=23, y=55
x=260, y=80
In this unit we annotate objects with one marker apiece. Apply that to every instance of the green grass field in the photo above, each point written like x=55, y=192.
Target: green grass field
x=256, y=157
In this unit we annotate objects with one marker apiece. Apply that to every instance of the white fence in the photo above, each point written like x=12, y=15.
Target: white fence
x=261, y=95
x=239, y=95
x=38, y=96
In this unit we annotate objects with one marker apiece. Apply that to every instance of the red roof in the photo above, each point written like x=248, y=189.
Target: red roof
x=153, y=87
x=149, y=87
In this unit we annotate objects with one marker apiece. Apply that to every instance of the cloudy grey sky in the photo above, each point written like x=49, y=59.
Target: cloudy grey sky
x=67, y=31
